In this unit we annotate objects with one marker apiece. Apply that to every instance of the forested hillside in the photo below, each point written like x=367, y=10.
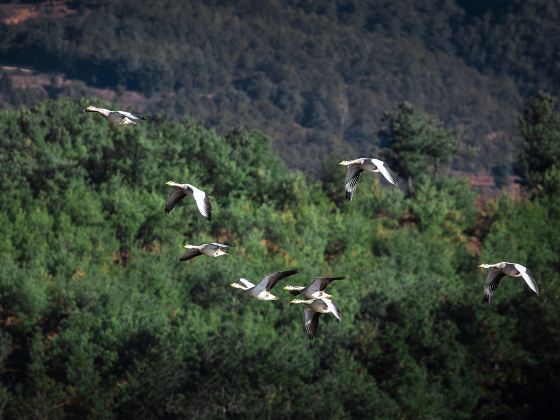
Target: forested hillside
x=99, y=320
x=316, y=76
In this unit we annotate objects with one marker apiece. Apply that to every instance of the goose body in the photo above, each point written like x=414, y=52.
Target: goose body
x=212, y=250
x=180, y=191
x=502, y=269
x=313, y=309
x=262, y=290
x=116, y=117
x=354, y=169
x=315, y=290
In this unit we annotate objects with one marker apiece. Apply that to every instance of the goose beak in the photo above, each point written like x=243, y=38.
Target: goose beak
x=168, y=182
x=286, y=288
x=342, y=163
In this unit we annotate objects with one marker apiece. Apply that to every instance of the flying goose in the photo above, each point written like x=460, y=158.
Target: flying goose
x=315, y=290
x=262, y=290
x=212, y=250
x=497, y=271
x=314, y=308
x=180, y=191
x=116, y=117
x=355, y=167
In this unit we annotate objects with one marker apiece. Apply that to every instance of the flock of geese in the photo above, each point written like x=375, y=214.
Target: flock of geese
x=316, y=301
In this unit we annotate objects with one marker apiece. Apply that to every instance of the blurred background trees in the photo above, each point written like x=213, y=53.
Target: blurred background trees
x=316, y=77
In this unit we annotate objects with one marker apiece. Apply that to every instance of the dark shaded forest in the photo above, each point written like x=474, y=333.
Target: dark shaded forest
x=315, y=76
x=100, y=320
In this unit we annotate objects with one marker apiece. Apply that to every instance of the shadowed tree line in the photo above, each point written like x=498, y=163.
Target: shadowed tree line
x=316, y=76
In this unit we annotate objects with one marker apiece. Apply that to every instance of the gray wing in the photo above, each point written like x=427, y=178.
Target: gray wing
x=311, y=321
x=352, y=176
x=190, y=255
x=176, y=195
x=491, y=284
x=320, y=283
x=270, y=280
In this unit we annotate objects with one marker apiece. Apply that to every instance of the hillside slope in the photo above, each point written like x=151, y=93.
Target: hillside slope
x=315, y=76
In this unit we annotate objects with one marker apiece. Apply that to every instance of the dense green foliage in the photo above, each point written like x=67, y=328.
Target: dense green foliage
x=316, y=76
x=99, y=319
x=416, y=144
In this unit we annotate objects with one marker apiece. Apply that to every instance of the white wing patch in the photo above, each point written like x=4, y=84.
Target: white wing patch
x=530, y=282
x=129, y=116
x=385, y=171
x=202, y=201
x=247, y=283
x=332, y=308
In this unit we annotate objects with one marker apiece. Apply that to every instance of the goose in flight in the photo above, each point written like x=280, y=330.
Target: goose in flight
x=315, y=290
x=355, y=167
x=314, y=308
x=497, y=271
x=180, y=191
x=262, y=290
x=212, y=250
x=116, y=117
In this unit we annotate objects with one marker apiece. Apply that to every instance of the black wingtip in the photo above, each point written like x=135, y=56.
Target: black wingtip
x=349, y=196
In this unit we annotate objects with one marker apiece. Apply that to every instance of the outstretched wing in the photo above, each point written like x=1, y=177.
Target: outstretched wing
x=333, y=308
x=246, y=282
x=176, y=195
x=528, y=278
x=190, y=255
x=221, y=245
x=270, y=280
x=351, y=181
x=131, y=116
x=320, y=283
x=202, y=202
x=491, y=284
x=311, y=322
x=385, y=171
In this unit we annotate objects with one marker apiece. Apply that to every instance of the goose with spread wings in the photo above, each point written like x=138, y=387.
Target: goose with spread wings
x=355, y=167
x=262, y=290
x=502, y=269
x=313, y=309
x=315, y=290
x=116, y=117
x=212, y=250
x=180, y=191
